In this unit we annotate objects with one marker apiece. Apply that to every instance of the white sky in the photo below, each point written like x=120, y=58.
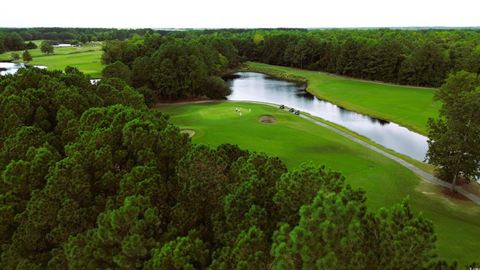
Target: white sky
x=238, y=14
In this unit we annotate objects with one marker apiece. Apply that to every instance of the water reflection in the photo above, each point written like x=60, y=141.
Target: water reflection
x=12, y=68
x=251, y=86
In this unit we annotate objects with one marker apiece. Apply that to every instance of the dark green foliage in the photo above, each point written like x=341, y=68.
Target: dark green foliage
x=216, y=88
x=116, y=50
x=46, y=47
x=416, y=57
x=454, y=138
x=249, y=251
x=26, y=56
x=92, y=179
x=122, y=238
x=72, y=35
x=185, y=252
x=11, y=42
x=336, y=232
x=426, y=66
x=117, y=70
x=15, y=56
x=298, y=187
x=172, y=68
x=30, y=46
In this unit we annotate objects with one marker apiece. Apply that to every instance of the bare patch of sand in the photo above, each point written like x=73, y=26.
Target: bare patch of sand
x=190, y=132
x=267, y=119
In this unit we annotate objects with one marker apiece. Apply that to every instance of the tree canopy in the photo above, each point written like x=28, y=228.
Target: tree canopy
x=172, y=68
x=92, y=179
x=46, y=47
x=26, y=56
x=454, y=138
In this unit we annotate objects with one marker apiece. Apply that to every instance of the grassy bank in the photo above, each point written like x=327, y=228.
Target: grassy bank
x=296, y=140
x=408, y=106
x=86, y=58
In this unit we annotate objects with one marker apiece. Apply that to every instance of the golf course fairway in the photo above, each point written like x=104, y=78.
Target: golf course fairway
x=296, y=140
x=405, y=105
x=87, y=58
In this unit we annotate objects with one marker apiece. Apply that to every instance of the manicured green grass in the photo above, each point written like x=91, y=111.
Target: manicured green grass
x=86, y=58
x=296, y=140
x=87, y=62
x=408, y=106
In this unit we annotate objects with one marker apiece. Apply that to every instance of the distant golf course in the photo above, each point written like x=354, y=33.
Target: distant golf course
x=405, y=105
x=87, y=58
x=296, y=140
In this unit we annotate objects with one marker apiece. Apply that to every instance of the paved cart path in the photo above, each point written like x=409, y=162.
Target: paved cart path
x=423, y=174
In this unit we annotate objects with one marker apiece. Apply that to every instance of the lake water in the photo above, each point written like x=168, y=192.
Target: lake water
x=250, y=86
x=12, y=68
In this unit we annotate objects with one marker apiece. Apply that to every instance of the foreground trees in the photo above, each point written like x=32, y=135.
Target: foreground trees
x=91, y=179
x=454, y=138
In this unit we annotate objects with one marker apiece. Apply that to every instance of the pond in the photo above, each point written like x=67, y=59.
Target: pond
x=250, y=86
x=12, y=67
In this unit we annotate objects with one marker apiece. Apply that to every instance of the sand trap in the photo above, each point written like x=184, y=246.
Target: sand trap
x=268, y=119
x=190, y=132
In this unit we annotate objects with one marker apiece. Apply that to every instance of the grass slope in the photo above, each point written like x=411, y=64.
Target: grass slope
x=86, y=58
x=296, y=140
x=408, y=106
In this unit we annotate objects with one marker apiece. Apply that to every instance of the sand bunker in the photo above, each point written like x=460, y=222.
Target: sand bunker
x=190, y=132
x=268, y=119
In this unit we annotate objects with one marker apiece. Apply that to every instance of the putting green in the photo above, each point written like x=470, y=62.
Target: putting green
x=408, y=106
x=296, y=140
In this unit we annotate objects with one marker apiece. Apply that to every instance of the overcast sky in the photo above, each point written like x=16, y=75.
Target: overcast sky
x=238, y=14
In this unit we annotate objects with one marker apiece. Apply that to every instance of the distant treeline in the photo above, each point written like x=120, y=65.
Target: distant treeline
x=413, y=57
x=16, y=38
x=184, y=63
x=421, y=57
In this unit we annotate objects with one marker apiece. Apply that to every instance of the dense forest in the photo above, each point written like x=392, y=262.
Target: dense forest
x=420, y=57
x=12, y=39
x=171, y=67
x=413, y=57
x=92, y=179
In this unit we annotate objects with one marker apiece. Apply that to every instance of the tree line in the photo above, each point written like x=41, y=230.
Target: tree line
x=93, y=179
x=170, y=68
x=421, y=57
x=167, y=63
x=14, y=42
x=14, y=39
x=413, y=57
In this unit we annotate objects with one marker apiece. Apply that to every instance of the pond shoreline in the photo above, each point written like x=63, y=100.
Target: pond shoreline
x=254, y=86
x=284, y=75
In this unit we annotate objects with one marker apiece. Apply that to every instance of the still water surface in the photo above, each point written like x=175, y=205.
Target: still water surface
x=12, y=68
x=250, y=86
